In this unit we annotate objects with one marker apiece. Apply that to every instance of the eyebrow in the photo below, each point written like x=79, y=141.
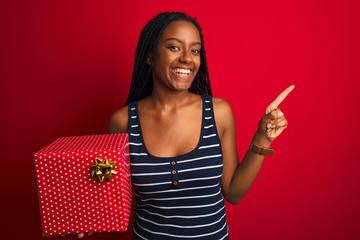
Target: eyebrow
x=178, y=40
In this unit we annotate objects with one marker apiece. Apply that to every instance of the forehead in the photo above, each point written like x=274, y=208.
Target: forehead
x=182, y=30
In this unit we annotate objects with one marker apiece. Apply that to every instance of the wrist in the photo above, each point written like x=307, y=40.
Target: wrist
x=261, y=150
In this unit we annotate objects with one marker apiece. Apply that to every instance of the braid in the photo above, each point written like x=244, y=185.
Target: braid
x=142, y=82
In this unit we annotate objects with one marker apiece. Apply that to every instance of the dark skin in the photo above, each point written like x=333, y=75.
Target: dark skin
x=172, y=111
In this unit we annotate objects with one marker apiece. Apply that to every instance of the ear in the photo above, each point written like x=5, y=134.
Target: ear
x=148, y=60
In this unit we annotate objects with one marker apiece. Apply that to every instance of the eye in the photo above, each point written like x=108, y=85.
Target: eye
x=174, y=48
x=195, y=51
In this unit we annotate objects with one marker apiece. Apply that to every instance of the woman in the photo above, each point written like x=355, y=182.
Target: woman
x=184, y=159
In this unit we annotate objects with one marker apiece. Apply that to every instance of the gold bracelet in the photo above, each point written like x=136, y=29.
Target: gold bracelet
x=260, y=150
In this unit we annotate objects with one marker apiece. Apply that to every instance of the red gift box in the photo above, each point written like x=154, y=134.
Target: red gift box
x=74, y=201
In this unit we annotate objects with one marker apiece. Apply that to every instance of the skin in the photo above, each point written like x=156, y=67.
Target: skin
x=172, y=111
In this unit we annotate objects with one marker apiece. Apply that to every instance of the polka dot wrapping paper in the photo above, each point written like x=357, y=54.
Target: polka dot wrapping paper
x=71, y=201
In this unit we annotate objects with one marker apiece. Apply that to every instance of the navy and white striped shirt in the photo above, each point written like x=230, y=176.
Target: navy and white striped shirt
x=178, y=197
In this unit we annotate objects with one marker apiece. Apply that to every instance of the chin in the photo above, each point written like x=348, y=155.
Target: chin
x=182, y=87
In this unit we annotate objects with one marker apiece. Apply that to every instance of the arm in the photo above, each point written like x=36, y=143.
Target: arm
x=237, y=178
x=119, y=121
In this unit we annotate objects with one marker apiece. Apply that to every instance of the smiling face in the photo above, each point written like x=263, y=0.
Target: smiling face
x=178, y=57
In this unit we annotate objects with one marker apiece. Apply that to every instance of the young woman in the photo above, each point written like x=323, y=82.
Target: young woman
x=183, y=152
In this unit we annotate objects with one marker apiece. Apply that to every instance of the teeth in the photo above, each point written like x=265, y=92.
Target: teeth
x=180, y=70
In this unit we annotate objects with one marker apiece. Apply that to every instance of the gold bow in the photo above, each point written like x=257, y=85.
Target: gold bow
x=102, y=170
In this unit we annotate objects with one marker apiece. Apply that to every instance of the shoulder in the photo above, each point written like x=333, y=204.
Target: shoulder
x=223, y=115
x=119, y=121
x=221, y=106
x=222, y=109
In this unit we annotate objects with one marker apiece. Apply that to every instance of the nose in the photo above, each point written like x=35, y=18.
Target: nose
x=185, y=57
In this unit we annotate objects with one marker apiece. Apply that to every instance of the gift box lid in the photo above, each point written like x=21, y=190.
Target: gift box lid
x=85, y=143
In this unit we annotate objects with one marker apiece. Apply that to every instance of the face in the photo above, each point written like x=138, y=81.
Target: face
x=178, y=57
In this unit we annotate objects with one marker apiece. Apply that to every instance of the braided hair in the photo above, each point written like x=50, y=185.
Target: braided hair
x=142, y=82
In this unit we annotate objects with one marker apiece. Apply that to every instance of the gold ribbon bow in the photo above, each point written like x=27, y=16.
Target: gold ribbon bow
x=103, y=169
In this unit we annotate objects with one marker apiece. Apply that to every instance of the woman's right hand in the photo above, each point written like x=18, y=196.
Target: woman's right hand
x=81, y=235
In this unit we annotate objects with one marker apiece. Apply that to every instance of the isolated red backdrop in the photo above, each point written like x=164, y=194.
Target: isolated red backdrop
x=65, y=67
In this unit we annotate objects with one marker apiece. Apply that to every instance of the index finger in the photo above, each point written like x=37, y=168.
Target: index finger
x=279, y=99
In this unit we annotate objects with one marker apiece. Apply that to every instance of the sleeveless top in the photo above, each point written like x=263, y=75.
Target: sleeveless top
x=178, y=197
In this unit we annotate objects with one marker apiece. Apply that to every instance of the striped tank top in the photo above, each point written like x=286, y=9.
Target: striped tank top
x=178, y=197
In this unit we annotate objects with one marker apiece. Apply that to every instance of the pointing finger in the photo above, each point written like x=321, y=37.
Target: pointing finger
x=279, y=99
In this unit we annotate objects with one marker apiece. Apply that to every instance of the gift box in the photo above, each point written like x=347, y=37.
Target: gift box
x=84, y=184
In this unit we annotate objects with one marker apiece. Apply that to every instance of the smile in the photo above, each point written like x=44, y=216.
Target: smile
x=181, y=71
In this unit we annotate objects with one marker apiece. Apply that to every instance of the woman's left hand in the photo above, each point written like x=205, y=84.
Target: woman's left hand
x=273, y=123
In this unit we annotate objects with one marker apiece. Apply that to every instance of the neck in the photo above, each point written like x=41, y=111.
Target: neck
x=169, y=100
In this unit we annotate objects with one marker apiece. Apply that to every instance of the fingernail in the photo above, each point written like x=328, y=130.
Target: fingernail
x=280, y=114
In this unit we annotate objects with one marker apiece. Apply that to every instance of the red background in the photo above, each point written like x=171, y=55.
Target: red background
x=65, y=67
